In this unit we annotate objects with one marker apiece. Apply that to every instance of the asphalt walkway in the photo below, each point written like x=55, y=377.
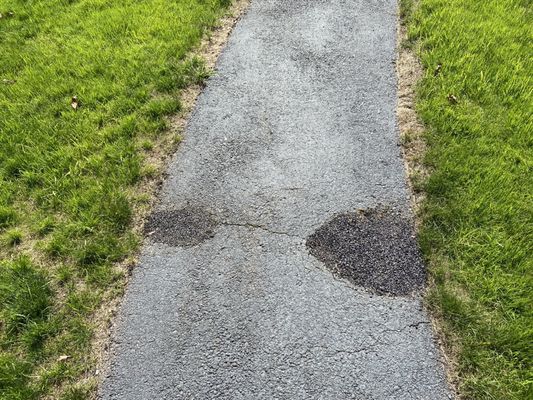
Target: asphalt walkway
x=280, y=262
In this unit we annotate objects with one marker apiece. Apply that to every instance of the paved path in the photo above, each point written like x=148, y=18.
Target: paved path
x=249, y=286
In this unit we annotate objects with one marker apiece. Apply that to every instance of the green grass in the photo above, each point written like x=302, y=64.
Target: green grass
x=477, y=230
x=68, y=177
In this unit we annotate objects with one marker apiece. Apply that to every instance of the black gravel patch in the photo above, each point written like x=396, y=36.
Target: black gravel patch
x=186, y=227
x=374, y=248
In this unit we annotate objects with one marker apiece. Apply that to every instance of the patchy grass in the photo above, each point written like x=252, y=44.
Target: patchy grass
x=85, y=86
x=477, y=220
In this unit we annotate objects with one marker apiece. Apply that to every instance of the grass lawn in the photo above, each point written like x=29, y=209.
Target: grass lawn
x=85, y=86
x=477, y=220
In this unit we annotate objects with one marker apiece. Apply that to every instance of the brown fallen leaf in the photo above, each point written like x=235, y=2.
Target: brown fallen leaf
x=452, y=99
x=74, y=103
x=64, y=357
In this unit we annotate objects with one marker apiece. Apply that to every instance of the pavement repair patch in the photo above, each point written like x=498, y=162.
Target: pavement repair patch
x=185, y=227
x=374, y=248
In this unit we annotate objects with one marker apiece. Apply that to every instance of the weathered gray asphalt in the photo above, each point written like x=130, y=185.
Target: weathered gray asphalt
x=297, y=126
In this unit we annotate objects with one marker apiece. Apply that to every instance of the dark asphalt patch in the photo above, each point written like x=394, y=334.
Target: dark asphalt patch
x=186, y=227
x=375, y=248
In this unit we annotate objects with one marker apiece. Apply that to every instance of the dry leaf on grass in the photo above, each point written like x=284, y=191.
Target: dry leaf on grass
x=74, y=103
x=452, y=99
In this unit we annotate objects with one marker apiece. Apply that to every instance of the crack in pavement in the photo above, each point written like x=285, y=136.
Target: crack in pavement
x=262, y=227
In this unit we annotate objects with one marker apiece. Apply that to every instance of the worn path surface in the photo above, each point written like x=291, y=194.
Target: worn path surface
x=258, y=280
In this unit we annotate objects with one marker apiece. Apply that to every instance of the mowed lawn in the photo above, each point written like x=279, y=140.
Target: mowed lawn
x=476, y=101
x=85, y=86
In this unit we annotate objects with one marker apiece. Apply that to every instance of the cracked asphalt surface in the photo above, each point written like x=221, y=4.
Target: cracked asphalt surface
x=297, y=126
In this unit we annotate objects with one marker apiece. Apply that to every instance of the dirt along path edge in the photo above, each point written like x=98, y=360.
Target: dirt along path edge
x=409, y=71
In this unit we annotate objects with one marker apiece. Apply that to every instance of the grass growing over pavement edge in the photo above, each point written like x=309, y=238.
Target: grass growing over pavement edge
x=85, y=86
x=475, y=99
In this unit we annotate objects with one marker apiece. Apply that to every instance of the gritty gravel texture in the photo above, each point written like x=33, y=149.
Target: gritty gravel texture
x=188, y=226
x=373, y=248
x=297, y=126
